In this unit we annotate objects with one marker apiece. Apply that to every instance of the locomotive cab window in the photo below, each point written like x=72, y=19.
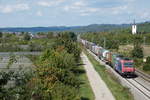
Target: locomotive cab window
x=128, y=64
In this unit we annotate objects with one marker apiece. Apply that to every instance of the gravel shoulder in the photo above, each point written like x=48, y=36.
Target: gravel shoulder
x=99, y=88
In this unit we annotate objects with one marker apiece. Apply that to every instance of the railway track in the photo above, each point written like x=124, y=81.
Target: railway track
x=140, y=87
x=143, y=75
x=136, y=84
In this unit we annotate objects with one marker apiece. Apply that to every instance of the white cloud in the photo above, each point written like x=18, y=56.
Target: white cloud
x=129, y=0
x=143, y=14
x=119, y=9
x=13, y=8
x=80, y=7
x=80, y=3
x=50, y=3
x=84, y=14
x=44, y=3
x=39, y=13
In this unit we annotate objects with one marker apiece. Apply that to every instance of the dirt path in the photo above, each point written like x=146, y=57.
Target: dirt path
x=99, y=88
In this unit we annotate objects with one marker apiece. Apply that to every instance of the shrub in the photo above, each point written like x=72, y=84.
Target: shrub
x=146, y=66
x=138, y=62
x=137, y=52
x=148, y=60
x=27, y=37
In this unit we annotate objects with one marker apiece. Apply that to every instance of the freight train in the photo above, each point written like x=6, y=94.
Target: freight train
x=123, y=65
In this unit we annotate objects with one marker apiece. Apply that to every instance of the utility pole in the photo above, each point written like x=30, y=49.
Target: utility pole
x=144, y=40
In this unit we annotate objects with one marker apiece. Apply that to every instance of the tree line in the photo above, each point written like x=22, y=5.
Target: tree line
x=55, y=76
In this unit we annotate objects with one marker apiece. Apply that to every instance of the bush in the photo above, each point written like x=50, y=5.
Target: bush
x=148, y=60
x=1, y=34
x=68, y=41
x=146, y=66
x=138, y=62
x=137, y=52
x=27, y=37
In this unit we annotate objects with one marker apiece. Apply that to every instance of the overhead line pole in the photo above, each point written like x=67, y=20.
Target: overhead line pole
x=144, y=40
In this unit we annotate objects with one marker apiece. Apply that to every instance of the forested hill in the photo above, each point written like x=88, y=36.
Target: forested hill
x=100, y=27
x=89, y=28
x=142, y=27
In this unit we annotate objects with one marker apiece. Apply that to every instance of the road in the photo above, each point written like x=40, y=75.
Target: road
x=99, y=88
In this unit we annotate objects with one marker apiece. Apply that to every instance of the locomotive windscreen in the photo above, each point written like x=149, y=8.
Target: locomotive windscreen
x=128, y=64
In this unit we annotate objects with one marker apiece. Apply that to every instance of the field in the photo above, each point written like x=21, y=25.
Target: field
x=126, y=49
x=146, y=50
x=20, y=62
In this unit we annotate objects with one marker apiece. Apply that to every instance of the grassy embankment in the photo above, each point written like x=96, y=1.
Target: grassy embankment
x=120, y=92
x=85, y=88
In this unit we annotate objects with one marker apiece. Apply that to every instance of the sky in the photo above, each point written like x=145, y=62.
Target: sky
x=33, y=13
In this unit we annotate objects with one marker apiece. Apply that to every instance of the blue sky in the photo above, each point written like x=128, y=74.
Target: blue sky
x=28, y=13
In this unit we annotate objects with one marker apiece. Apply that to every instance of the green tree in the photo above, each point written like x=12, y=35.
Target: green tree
x=68, y=40
x=27, y=37
x=1, y=34
x=146, y=66
x=73, y=36
x=20, y=90
x=55, y=76
x=137, y=51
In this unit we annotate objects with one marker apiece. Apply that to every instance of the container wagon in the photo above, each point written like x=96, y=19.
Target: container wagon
x=93, y=48
x=97, y=50
x=90, y=45
x=104, y=54
x=114, y=56
x=109, y=58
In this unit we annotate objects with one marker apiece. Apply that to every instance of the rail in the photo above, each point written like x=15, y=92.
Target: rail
x=133, y=81
x=143, y=75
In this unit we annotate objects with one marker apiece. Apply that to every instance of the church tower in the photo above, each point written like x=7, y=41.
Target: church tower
x=134, y=28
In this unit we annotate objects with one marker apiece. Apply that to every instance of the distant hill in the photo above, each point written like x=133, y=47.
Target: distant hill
x=100, y=27
x=36, y=29
x=142, y=27
x=89, y=28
